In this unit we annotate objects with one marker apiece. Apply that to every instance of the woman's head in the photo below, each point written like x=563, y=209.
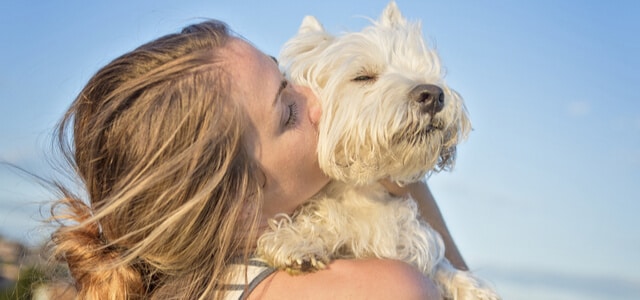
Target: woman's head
x=165, y=140
x=282, y=133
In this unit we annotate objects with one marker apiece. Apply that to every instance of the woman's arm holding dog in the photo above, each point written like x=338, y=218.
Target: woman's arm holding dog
x=431, y=213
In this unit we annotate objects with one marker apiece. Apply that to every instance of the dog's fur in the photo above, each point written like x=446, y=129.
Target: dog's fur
x=379, y=121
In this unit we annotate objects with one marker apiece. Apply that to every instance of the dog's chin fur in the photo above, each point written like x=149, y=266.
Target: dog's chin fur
x=371, y=130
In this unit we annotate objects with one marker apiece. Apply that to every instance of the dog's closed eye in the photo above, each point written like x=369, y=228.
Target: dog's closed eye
x=364, y=78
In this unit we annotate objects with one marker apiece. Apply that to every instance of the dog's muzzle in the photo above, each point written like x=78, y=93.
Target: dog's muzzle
x=429, y=97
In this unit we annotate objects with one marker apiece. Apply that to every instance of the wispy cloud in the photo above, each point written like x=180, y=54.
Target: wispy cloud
x=573, y=286
x=578, y=108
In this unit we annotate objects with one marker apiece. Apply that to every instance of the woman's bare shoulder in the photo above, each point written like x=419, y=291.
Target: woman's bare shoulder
x=351, y=279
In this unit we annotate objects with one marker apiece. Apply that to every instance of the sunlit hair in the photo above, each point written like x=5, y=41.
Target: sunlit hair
x=156, y=140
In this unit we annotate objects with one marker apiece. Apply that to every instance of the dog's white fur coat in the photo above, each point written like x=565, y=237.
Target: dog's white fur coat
x=372, y=127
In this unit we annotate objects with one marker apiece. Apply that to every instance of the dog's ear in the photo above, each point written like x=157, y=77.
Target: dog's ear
x=391, y=15
x=304, y=49
x=311, y=36
x=310, y=24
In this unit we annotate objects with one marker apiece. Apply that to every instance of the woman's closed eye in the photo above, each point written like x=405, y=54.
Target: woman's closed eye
x=293, y=115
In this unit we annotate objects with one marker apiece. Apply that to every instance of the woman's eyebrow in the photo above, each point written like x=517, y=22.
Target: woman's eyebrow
x=283, y=84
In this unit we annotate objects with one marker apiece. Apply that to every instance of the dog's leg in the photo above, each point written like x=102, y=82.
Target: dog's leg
x=298, y=245
x=462, y=285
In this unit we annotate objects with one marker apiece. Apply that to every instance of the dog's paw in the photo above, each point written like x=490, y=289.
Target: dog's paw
x=486, y=294
x=306, y=264
x=466, y=286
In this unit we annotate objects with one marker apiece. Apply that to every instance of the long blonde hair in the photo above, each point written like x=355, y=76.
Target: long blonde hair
x=157, y=141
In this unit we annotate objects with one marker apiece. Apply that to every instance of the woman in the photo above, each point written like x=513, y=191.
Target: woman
x=186, y=146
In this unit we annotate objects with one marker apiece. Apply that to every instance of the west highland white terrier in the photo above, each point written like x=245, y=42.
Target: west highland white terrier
x=387, y=114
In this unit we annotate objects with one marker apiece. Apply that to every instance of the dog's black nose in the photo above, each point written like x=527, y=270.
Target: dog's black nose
x=430, y=98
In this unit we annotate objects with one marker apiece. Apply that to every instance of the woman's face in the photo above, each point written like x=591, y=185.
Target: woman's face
x=282, y=136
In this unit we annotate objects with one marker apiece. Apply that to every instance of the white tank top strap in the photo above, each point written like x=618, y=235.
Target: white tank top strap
x=246, y=276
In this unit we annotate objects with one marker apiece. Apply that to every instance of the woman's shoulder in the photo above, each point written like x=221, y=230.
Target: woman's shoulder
x=351, y=279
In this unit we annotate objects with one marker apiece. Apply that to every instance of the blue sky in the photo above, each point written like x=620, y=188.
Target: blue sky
x=544, y=197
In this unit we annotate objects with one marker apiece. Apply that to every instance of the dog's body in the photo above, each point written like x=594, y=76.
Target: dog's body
x=387, y=114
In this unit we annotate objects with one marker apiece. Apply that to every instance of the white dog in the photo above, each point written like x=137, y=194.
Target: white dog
x=387, y=114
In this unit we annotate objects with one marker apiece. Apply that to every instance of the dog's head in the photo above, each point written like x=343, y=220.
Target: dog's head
x=387, y=112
